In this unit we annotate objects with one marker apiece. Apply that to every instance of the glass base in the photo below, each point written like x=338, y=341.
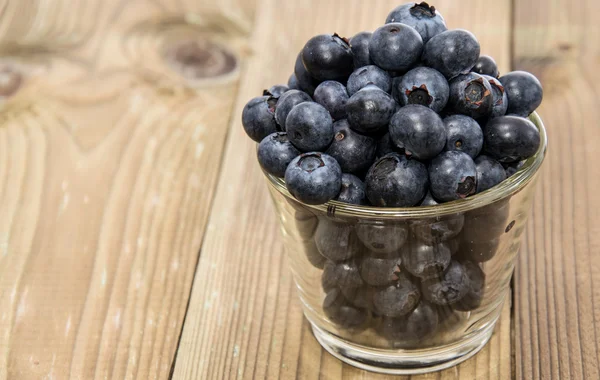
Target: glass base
x=404, y=362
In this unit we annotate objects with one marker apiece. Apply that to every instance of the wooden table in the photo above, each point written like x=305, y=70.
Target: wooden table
x=137, y=239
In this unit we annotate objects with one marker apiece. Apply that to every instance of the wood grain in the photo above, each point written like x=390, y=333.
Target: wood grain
x=244, y=319
x=108, y=166
x=557, y=294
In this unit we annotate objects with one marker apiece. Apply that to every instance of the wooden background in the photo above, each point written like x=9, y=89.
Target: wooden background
x=137, y=239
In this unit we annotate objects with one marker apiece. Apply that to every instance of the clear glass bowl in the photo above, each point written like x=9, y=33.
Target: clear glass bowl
x=407, y=290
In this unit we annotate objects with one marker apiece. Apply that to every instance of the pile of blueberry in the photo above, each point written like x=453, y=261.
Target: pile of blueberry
x=384, y=117
x=409, y=115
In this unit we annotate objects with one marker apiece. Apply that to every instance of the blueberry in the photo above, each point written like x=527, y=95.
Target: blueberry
x=353, y=190
x=486, y=65
x=439, y=229
x=419, y=130
x=370, y=74
x=342, y=313
x=306, y=82
x=398, y=299
x=451, y=52
x=423, y=260
x=309, y=127
x=513, y=167
x=361, y=296
x=383, y=241
x=275, y=152
x=487, y=223
x=396, y=181
x=472, y=299
x=344, y=275
x=396, y=82
x=328, y=57
x=333, y=96
x=463, y=134
x=395, y=47
x=258, y=117
x=337, y=241
x=313, y=178
x=452, y=175
x=499, y=97
x=449, y=287
x=424, y=86
x=385, y=145
x=471, y=95
x=524, y=92
x=293, y=82
x=419, y=324
x=429, y=200
x=479, y=252
x=360, y=49
x=276, y=90
x=354, y=152
x=379, y=272
x=286, y=102
x=510, y=138
x=370, y=110
x=426, y=20
x=489, y=173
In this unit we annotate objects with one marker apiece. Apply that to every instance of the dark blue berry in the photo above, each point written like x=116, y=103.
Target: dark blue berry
x=370, y=110
x=440, y=229
x=396, y=181
x=472, y=299
x=337, y=241
x=426, y=20
x=423, y=260
x=342, y=313
x=313, y=178
x=395, y=47
x=429, y=200
x=524, y=92
x=489, y=173
x=410, y=329
x=383, y=241
x=424, y=86
x=354, y=152
x=276, y=90
x=451, y=52
x=293, y=82
x=275, y=152
x=486, y=65
x=419, y=130
x=463, y=134
x=352, y=191
x=258, y=117
x=452, y=175
x=328, y=57
x=486, y=223
x=396, y=82
x=449, y=287
x=471, y=95
x=360, y=49
x=309, y=127
x=510, y=138
x=286, y=102
x=361, y=297
x=333, y=96
x=345, y=274
x=499, y=97
x=371, y=74
x=397, y=299
x=513, y=167
x=380, y=272
x=305, y=81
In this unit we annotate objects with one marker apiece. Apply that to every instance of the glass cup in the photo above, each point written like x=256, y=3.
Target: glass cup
x=407, y=290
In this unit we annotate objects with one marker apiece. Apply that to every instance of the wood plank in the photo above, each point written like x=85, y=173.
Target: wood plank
x=109, y=160
x=244, y=319
x=557, y=295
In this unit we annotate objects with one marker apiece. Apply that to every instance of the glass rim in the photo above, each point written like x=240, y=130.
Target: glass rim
x=508, y=187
